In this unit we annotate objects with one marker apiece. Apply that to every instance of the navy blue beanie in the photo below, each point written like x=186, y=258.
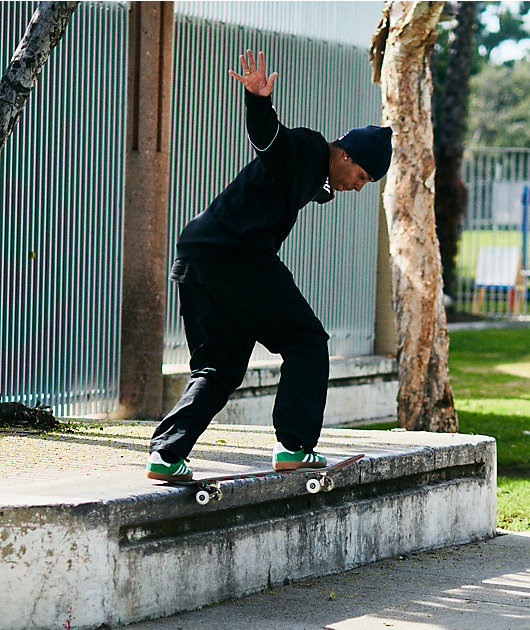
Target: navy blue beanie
x=370, y=147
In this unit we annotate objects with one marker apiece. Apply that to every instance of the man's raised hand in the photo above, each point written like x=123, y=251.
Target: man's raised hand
x=255, y=79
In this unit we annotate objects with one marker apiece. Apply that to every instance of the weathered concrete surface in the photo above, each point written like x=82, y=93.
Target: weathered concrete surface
x=360, y=389
x=483, y=585
x=83, y=551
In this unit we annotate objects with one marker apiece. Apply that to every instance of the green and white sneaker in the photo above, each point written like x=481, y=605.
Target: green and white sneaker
x=282, y=459
x=157, y=468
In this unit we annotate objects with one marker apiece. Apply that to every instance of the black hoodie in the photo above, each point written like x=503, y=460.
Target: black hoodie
x=256, y=212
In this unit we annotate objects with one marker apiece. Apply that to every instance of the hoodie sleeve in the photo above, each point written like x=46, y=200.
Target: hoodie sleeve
x=278, y=148
x=263, y=125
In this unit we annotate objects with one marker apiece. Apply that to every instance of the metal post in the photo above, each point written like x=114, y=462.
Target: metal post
x=525, y=271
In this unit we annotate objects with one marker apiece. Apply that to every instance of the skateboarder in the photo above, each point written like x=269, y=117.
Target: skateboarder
x=234, y=290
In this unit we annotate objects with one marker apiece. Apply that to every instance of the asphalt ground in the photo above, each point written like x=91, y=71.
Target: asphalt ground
x=479, y=586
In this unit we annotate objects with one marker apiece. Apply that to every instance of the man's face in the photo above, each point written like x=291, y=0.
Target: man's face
x=345, y=174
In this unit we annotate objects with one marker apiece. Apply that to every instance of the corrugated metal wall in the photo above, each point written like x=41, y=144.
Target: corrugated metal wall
x=62, y=196
x=348, y=23
x=61, y=214
x=332, y=250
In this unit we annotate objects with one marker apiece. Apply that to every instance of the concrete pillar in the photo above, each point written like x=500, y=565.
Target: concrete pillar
x=146, y=208
x=385, y=327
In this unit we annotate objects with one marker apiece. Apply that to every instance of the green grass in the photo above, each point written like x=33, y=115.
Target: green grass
x=490, y=376
x=513, y=503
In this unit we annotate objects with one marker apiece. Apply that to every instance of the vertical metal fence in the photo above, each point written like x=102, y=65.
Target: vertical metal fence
x=60, y=216
x=325, y=86
x=342, y=22
x=61, y=200
x=493, y=245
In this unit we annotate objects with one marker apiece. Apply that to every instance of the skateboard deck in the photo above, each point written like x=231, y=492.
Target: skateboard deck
x=209, y=488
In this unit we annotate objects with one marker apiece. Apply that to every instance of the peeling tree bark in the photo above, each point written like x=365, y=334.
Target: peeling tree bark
x=46, y=28
x=400, y=54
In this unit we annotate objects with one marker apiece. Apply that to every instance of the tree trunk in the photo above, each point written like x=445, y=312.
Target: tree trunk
x=451, y=193
x=400, y=55
x=43, y=33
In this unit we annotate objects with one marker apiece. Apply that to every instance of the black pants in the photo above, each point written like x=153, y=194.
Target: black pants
x=225, y=311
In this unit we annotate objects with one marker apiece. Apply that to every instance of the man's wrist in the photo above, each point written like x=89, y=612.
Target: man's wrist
x=256, y=98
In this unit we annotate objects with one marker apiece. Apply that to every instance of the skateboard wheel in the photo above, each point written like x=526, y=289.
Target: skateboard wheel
x=313, y=486
x=202, y=497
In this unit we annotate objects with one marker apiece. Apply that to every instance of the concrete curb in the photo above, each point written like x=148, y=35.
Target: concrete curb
x=92, y=551
x=482, y=585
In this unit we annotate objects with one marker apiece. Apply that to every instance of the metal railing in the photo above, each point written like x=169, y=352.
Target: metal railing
x=492, y=249
x=61, y=217
x=327, y=87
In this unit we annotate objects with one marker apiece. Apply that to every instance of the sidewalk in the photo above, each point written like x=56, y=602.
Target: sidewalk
x=479, y=586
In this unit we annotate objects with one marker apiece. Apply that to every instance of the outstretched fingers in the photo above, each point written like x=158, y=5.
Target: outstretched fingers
x=270, y=81
x=248, y=67
x=254, y=78
x=252, y=61
x=244, y=64
x=261, y=62
x=236, y=76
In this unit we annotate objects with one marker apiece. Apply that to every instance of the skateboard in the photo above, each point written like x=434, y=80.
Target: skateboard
x=209, y=489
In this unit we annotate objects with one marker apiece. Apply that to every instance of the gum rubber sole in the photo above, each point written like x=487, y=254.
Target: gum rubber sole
x=164, y=477
x=279, y=466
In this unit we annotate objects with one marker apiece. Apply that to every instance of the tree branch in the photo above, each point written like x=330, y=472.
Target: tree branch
x=44, y=31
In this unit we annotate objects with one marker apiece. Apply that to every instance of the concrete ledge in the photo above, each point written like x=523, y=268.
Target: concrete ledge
x=111, y=551
x=360, y=389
